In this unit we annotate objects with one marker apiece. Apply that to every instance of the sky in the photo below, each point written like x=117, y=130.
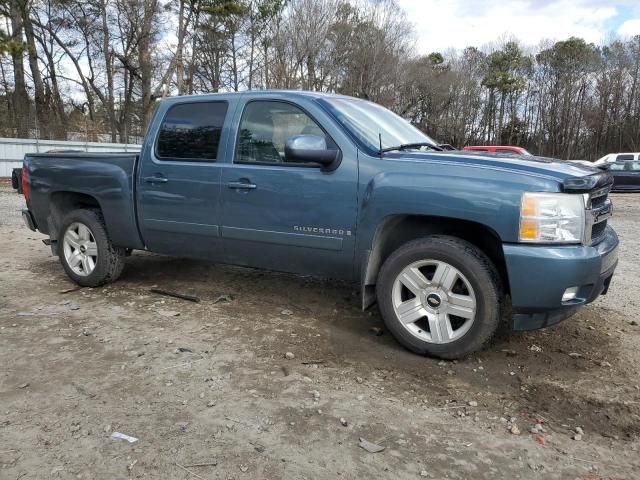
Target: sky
x=443, y=24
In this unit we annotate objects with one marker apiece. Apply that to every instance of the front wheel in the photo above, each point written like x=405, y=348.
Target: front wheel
x=440, y=296
x=85, y=250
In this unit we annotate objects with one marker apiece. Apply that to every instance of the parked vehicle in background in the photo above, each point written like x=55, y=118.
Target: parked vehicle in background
x=618, y=157
x=499, y=149
x=16, y=179
x=338, y=187
x=626, y=175
x=586, y=163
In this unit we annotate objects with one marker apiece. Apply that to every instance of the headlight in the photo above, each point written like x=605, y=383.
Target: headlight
x=551, y=217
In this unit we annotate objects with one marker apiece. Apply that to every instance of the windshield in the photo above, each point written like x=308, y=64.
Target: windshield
x=367, y=120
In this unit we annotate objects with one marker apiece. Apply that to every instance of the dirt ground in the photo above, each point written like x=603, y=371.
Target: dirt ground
x=207, y=390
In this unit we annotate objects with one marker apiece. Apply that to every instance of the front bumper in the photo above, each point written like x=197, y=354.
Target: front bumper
x=539, y=276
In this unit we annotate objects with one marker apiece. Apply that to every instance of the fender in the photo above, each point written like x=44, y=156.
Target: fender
x=435, y=196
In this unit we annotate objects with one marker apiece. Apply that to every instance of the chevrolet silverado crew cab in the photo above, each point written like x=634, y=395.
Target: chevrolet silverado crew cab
x=338, y=187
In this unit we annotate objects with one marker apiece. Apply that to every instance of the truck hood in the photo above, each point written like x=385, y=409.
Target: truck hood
x=573, y=177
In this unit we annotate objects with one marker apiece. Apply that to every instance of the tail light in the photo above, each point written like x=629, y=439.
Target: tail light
x=25, y=184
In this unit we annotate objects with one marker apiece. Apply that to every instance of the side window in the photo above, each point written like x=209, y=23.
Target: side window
x=191, y=131
x=616, y=167
x=624, y=156
x=265, y=128
x=634, y=166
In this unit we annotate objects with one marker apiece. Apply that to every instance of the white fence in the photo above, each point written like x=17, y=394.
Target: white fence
x=13, y=150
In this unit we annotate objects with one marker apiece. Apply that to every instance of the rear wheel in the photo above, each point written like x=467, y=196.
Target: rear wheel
x=85, y=250
x=440, y=296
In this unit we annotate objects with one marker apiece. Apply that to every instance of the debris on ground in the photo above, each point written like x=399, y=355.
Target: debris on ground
x=540, y=439
x=289, y=356
x=84, y=391
x=286, y=312
x=369, y=446
x=344, y=422
x=377, y=331
x=514, y=429
x=188, y=471
x=168, y=313
x=212, y=463
x=223, y=298
x=70, y=290
x=24, y=385
x=182, y=296
x=71, y=305
x=575, y=355
x=122, y=436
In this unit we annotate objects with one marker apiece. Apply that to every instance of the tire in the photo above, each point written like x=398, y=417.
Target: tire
x=104, y=267
x=465, y=316
x=16, y=179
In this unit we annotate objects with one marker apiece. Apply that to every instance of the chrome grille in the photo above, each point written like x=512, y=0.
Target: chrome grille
x=599, y=209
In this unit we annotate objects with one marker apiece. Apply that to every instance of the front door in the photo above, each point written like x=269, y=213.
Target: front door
x=287, y=216
x=179, y=181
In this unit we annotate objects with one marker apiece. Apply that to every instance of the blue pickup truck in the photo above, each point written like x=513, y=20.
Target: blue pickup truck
x=338, y=187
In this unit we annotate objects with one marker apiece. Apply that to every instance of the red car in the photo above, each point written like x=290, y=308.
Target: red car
x=506, y=149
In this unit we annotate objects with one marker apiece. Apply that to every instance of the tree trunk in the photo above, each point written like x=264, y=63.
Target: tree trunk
x=42, y=108
x=108, y=61
x=19, y=98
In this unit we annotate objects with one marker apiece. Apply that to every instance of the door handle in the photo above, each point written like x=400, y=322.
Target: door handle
x=243, y=185
x=156, y=179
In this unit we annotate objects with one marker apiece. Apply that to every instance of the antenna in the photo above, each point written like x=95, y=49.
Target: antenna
x=380, y=140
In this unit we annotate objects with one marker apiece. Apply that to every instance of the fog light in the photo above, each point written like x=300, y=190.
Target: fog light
x=570, y=293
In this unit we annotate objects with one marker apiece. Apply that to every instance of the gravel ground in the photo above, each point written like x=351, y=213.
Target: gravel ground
x=208, y=390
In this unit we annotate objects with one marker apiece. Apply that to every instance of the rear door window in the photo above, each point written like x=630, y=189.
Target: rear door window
x=634, y=166
x=624, y=156
x=617, y=167
x=191, y=132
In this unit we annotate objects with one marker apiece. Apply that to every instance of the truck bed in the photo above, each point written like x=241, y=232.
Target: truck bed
x=106, y=180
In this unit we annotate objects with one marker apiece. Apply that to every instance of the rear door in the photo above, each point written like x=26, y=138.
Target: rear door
x=179, y=180
x=286, y=216
x=632, y=173
x=620, y=174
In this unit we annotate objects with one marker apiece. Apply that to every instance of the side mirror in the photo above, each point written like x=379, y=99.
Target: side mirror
x=309, y=149
x=604, y=166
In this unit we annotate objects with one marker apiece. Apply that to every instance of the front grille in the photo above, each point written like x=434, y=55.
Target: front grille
x=599, y=209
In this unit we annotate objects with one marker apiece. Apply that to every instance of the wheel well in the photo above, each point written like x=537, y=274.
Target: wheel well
x=62, y=203
x=400, y=229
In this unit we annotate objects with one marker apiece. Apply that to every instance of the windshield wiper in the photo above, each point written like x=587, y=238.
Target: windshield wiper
x=408, y=146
